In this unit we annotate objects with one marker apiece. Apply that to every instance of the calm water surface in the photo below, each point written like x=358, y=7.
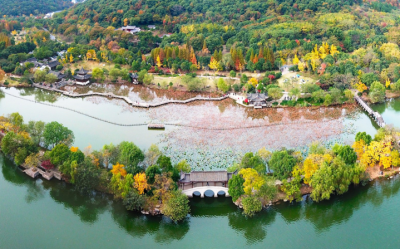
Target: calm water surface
x=51, y=214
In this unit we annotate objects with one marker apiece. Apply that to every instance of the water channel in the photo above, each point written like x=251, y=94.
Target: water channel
x=51, y=214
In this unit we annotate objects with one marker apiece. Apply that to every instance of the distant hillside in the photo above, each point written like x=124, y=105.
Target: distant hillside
x=143, y=12
x=27, y=7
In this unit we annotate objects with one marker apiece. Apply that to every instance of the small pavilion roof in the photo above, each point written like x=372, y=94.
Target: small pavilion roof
x=82, y=71
x=257, y=97
x=82, y=77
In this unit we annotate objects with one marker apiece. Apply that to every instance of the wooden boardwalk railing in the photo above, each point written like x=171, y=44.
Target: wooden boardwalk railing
x=127, y=100
x=376, y=116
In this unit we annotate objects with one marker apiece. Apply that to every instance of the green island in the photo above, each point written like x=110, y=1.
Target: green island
x=148, y=182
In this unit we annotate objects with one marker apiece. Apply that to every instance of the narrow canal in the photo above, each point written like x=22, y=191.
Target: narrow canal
x=63, y=218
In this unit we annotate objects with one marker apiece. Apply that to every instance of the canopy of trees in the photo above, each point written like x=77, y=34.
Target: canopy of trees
x=35, y=7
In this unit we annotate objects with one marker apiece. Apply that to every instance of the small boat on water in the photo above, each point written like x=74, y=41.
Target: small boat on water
x=156, y=126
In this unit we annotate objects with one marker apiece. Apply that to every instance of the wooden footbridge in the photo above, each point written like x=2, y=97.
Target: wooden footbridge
x=375, y=115
x=126, y=99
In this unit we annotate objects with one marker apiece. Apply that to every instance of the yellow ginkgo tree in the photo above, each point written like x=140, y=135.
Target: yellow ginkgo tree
x=119, y=169
x=252, y=180
x=141, y=183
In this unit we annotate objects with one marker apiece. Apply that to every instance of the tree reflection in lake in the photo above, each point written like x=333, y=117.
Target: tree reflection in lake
x=87, y=207
x=14, y=175
x=138, y=225
x=40, y=94
x=254, y=229
x=220, y=216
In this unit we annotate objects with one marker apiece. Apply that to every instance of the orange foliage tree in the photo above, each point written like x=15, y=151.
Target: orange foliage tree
x=119, y=168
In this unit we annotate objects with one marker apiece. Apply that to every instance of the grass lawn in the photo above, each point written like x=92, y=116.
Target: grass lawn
x=13, y=81
x=90, y=65
x=178, y=81
x=294, y=82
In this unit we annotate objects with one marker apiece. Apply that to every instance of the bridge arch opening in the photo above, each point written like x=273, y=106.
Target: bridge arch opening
x=209, y=193
x=221, y=193
x=196, y=194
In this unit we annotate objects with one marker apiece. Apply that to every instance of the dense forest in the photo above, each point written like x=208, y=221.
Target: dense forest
x=34, y=7
x=344, y=44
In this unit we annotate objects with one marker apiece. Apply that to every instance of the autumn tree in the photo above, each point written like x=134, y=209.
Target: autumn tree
x=141, y=183
x=2, y=74
x=312, y=163
x=32, y=160
x=252, y=180
x=292, y=188
x=213, y=64
x=118, y=169
x=162, y=185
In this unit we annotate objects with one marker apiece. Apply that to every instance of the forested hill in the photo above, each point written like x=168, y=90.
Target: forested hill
x=114, y=13
x=27, y=7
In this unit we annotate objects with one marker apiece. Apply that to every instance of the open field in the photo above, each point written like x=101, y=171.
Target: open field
x=12, y=81
x=177, y=81
x=90, y=65
x=290, y=80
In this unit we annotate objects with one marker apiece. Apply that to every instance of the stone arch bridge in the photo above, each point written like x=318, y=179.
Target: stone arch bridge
x=202, y=190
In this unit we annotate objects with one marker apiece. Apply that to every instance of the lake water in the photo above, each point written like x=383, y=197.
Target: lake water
x=211, y=135
x=51, y=214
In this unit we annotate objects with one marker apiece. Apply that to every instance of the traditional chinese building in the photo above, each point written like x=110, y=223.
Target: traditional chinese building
x=82, y=77
x=205, y=178
x=258, y=100
x=53, y=64
x=131, y=29
x=59, y=75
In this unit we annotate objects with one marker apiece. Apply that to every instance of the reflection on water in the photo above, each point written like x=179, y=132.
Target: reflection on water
x=389, y=111
x=138, y=93
x=12, y=174
x=40, y=95
x=217, y=216
x=252, y=229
